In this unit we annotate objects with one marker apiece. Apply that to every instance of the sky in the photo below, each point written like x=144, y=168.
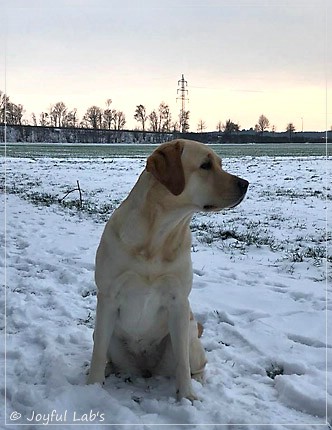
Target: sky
x=241, y=58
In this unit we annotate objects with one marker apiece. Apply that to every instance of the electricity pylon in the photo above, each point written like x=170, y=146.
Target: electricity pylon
x=182, y=83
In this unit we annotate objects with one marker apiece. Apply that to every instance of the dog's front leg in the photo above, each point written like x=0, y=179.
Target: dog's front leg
x=179, y=316
x=105, y=320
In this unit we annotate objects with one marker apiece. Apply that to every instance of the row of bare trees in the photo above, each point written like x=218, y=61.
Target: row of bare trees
x=95, y=117
x=263, y=124
x=57, y=116
x=159, y=120
x=230, y=127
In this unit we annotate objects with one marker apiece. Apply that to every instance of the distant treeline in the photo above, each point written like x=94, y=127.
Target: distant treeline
x=30, y=134
x=151, y=126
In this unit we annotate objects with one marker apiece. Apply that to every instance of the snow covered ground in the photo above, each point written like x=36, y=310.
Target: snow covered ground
x=262, y=289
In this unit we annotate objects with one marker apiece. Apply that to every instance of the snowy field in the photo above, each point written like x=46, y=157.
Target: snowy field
x=262, y=289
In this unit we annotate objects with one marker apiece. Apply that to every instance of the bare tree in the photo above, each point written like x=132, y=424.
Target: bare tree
x=160, y=121
x=109, y=116
x=34, y=119
x=120, y=120
x=263, y=124
x=10, y=113
x=290, y=128
x=14, y=113
x=44, y=119
x=175, y=127
x=219, y=126
x=93, y=117
x=230, y=127
x=141, y=115
x=154, y=121
x=4, y=101
x=201, y=126
x=70, y=120
x=58, y=114
x=165, y=118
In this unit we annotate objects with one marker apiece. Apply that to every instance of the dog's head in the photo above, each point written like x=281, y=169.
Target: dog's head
x=193, y=172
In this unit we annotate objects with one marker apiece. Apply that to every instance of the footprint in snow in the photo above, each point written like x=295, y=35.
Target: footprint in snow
x=301, y=296
x=307, y=341
x=199, y=285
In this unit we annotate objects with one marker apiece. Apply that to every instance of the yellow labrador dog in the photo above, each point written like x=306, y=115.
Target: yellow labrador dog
x=144, y=324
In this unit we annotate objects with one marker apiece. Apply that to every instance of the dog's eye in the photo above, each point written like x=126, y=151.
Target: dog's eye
x=207, y=165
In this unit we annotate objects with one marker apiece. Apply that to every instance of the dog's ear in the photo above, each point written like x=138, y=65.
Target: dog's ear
x=166, y=166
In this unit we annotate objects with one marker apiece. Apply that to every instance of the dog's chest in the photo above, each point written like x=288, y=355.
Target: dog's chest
x=142, y=307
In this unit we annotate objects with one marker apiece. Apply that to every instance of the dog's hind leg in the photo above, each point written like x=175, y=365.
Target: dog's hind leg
x=105, y=320
x=197, y=356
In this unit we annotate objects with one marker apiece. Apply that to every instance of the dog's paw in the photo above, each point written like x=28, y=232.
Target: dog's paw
x=186, y=394
x=108, y=369
x=95, y=379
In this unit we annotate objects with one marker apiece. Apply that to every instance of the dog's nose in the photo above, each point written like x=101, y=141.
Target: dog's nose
x=243, y=184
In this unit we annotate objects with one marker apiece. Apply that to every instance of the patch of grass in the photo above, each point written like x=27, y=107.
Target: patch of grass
x=102, y=211
x=294, y=194
x=316, y=252
x=274, y=370
x=88, y=321
x=276, y=217
x=251, y=235
x=296, y=256
x=242, y=235
x=44, y=199
x=88, y=293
